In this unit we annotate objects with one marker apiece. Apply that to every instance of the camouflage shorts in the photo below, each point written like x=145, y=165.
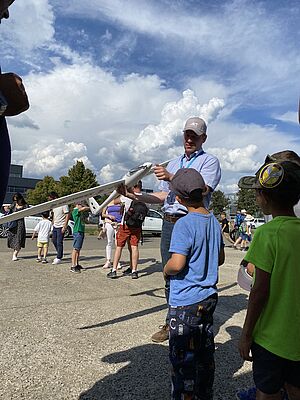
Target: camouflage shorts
x=191, y=350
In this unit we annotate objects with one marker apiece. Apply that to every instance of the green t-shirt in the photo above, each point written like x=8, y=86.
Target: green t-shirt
x=276, y=249
x=79, y=225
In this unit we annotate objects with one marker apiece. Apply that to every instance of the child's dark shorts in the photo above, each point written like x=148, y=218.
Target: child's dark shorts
x=191, y=349
x=270, y=371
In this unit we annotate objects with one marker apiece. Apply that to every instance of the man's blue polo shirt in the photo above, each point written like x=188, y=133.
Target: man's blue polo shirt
x=208, y=166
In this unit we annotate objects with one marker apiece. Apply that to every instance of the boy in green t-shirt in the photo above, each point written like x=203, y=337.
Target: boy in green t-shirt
x=78, y=235
x=271, y=328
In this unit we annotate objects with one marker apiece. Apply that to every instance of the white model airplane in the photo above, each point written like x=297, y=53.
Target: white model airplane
x=129, y=179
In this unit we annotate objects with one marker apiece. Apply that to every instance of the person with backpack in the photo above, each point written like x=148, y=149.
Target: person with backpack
x=240, y=226
x=130, y=232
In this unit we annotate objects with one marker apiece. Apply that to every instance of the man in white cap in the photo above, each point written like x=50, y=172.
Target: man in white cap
x=194, y=135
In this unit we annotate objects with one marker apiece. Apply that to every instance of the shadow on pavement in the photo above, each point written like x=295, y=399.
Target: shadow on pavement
x=126, y=317
x=146, y=376
x=146, y=373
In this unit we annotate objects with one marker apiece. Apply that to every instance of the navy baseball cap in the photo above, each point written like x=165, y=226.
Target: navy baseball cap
x=186, y=181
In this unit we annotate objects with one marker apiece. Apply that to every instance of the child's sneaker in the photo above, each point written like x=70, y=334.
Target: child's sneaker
x=44, y=261
x=38, y=259
x=112, y=274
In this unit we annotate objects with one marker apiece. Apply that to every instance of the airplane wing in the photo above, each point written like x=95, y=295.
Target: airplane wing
x=96, y=208
x=129, y=179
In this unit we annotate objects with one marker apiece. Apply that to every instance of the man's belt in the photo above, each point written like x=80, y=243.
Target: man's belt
x=173, y=217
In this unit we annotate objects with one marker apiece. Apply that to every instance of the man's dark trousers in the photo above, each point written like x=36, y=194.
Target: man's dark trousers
x=58, y=239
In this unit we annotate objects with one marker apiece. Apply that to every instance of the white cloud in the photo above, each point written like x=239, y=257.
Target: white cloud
x=290, y=116
x=31, y=25
x=242, y=39
x=47, y=158
x=238, y=159
x=162, y=137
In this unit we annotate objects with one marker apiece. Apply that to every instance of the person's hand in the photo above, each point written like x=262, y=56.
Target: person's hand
x=162, y=174
x=63, y=229
x=112, y=217
x=245, y=346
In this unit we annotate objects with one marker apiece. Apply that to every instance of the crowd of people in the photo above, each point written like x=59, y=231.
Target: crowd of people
x=192, y=249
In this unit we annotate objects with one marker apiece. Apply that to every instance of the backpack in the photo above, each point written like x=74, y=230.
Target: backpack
x=136, y=214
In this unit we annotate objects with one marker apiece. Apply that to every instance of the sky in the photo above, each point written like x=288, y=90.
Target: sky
x=112, y=82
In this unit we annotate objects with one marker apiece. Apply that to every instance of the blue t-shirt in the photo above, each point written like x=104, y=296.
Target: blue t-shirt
x=208, y=166
x=198, y=237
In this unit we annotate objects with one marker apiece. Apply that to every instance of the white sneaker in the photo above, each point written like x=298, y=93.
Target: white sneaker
x=107, y=265
x=14, y=258
x=56, y=261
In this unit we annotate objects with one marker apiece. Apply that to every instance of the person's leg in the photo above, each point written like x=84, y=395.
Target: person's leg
x=54, y=238
x=165, y=242
x=166, y=234
x=110, y=236
x=292, y=391
x=238, y=240
x=60, y=244
x=75, y=256
x=268, y=373
x=45, y=248
x=39, y=253
x=117, y=256
x=192, y=352
x=15, y=254
x=134, y=257
x=122, y=237
x=227, y=237
x=264, y=396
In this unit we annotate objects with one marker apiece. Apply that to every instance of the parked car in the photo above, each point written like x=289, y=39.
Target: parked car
x=153, y=222
x=257, y=222
x=30, y=224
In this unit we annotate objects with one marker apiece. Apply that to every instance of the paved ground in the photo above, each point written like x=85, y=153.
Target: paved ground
x=66, y=336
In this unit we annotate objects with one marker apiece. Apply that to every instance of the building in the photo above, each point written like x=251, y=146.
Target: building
x=17, y=183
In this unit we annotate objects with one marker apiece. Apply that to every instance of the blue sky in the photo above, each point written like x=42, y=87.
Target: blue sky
x=111, y=82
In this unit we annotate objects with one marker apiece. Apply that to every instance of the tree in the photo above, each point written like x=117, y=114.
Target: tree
x=41, y=191
x=219, y=202
x=247, y=200
x=79, y=178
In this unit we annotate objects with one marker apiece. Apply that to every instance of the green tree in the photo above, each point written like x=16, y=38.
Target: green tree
x=219, y=202
x=41, y=191
x=246, y=200
x=79, y=178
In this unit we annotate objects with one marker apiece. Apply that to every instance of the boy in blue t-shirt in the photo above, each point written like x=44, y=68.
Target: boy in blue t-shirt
x=197, y=250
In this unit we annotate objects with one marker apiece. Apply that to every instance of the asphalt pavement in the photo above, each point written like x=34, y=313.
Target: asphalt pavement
x=82, y=336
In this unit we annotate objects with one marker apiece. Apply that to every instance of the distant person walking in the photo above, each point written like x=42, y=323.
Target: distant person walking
x=16, y=235
x=112, y=215
x=60, y=217
x=43, y=229
x=78, y=235
x=225, y=228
